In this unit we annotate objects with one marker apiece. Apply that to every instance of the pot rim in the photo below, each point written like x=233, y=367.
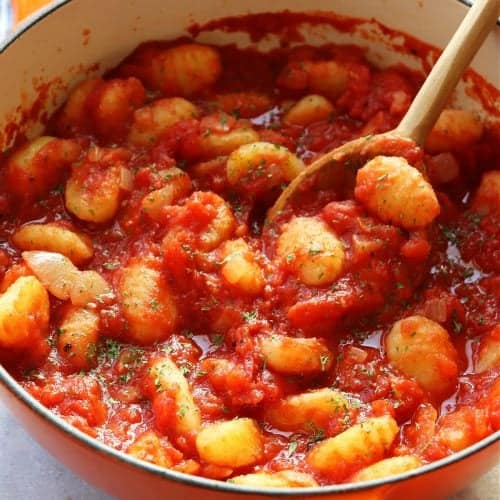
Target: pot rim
x=7, y=381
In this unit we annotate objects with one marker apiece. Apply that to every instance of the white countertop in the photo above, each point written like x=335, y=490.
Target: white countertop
x=27, y=472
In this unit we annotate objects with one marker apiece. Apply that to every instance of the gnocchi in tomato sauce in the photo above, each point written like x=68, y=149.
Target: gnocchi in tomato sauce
x=146, y=300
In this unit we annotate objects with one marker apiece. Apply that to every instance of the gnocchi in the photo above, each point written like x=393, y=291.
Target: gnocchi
x=262, y=164
x=311, y=251
x=455, y=130
x=396, y=192
x=488, y=355
x=295, y=355
x=387, y=467
x=307, y=410
x=177, y=185
x=54, y=237
x=36, y=168
x=239, y=267
x=311, y=108
x=147, y=303
x=421, y=348
x=359, y=446
x=77, y=338
x=93, y=193
x=150, y=122
x=281, y=479
x=24, y=313
x=185, y=70
x=166, y=377
x=233, y=443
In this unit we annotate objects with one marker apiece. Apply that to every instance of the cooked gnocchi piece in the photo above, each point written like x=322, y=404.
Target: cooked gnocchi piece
x=36, y=168
x=295, y=355
x=166, y=377
x=233, y=443
x=177, y=185
x=220, y=228
x=360, y=445
x=309, y=249
x=239, y=267
x=54, y=237
x=281, y=479
x=421, y=348
x=213, y=144
x=243, y=104
x=388, y=467
x=262, y=165
x=148, y=447
x=455, y=130
x=396, y=192
x=301, y=412
x=488, y=355
x=77, y=338
x=328, y=78
x=24, y=314
x=150, y=122
x=487, y=197
x=186, y=70
x=93, y=192
x=147, y=303
x=74, y=110
x=311, y=108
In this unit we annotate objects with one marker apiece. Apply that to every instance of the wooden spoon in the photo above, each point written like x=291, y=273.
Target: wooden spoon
x=425, y=108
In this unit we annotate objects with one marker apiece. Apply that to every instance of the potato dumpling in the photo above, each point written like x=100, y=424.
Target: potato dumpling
x=148, y=447
x=147, y=302
x=281, y=479
x=359, y=446
x=388, y=467
x=74, y=112
x=102, y=106
x=295, y=355
x=214, y=144
x=487, y=197
x=220, y=227
x=422, y=349
x=455, y=129
x=166, y=376
x=54, y=237
x=327, y=78
x=298, y=412
x=117, y=100
x=311, y=108
x=77, y=338
x=396, y=192
x=262, y=165
x=309, y=248
x=24, y=313
x=177, y=185
x=234, y=443
x=186, y=69
x=488, y=355
x=245, y=104
x=93, y=192
x=239, y=267
x=36, y=168
x=151, y=121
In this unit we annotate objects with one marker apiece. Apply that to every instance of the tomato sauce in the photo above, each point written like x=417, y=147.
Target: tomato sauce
x=211, y=324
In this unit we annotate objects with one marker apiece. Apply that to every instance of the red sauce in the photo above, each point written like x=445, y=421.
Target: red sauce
x=214, y=326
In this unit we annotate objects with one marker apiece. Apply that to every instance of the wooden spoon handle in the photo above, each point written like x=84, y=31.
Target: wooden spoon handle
x=446, y=73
